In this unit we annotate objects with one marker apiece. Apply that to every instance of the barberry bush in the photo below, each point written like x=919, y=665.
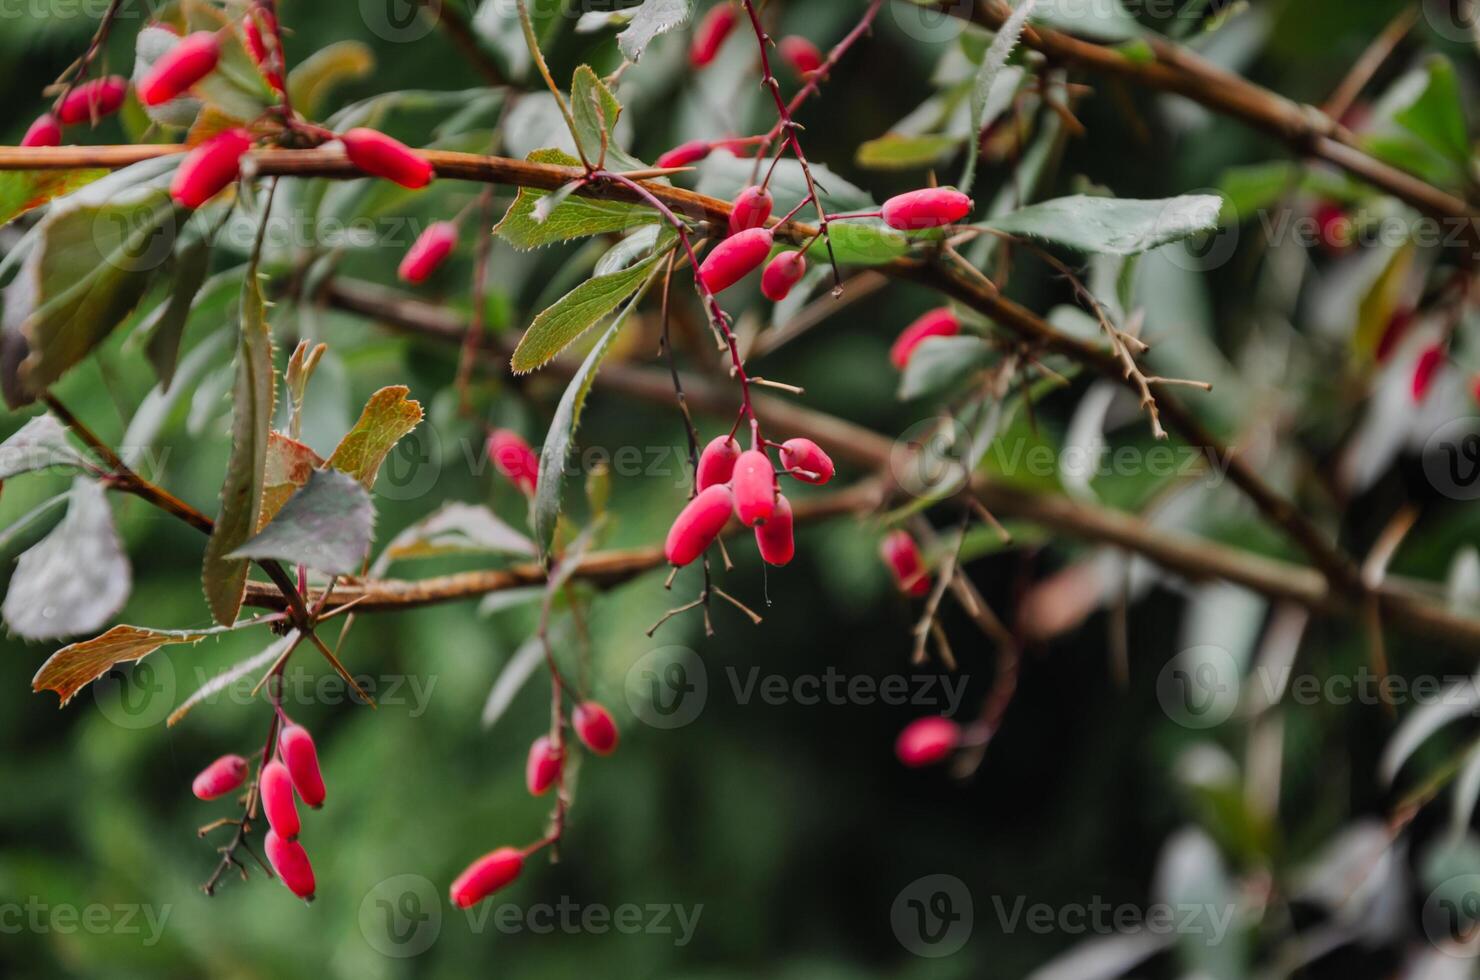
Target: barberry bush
x=879, y=483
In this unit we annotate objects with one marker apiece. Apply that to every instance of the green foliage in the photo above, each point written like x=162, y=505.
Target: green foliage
x=1113, y=226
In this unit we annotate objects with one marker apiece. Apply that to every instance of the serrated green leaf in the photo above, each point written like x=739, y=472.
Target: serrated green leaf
x=595, y=110
x=225, y=577
x=327, y=526
x=895, y=152
x=860, y=243
x=1114, y=226
x=578, y=311
x=74, y=667
x=388, y=417
x=653, y=18
x=575, y=217
x=993, y=62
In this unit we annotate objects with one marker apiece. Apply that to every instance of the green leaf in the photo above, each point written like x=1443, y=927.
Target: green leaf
x=860, y=243
x=388, y=416
x=986, y=78
x=311, y=80
x=1115, y=226
x=167, y=329
x=942, y=362
x=653, y=18
x=22, y=190
x=38, y=445
x=1103, y=20
x=575, y=217
x=327, y=526
x=558, y=441
x=895, y=152
x=455, y=529
x=1437, y=116
x=596, y=110
x=225, y=577
x=74, y=667
x=578, y=311
x=289, y=465
x=76, y=577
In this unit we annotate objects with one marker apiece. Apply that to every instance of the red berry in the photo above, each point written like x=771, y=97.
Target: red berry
x=45, y=131
x=210, y=168
x=717, y=461
x=1334, y=228
x=487, y=875
x=1392, y=336
x=927, y=741
x=429, y=251
x=381, y=156
x=190, y=60
x=595, y=728
x=774, y=538
x=804, y=460
x=928, y=208
x=803, y=56
x=685, y=154
x=902, y=555
x=277, y=800
x=302, y=760
x=735, y=258
x=254, y=33
x=223, y=776
x=711, y=33
x=782, y=275
x=754, y=485
x=751, y=209
x=290, y=861
x=1426, y=371
x=101, y=97
x=513, y=458
x=936, y=323
x=698, y=524
x=543, y=767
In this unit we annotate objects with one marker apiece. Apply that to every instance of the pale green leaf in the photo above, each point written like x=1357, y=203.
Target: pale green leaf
x=311, y=80
x=38, y=445
x=895, y=152
x=595, y=110
x=863, y=242
x=388, y=416
x=575, y=217
x=653, y=18
x=940, y=363
x=1114, y=226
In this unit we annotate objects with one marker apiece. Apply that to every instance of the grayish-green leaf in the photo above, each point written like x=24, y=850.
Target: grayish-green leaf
x=1102, y=20
x=167, y=326
x=39, y=444
x=595, y=110
x=75, y=578
x=1456, y=702
x=986, y=79
x=455, y=529
x=653, y=18
x=940, y=363
x=1116, y=226
x=327, y=525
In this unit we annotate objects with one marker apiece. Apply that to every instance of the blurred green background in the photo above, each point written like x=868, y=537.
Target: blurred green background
x=788, y=829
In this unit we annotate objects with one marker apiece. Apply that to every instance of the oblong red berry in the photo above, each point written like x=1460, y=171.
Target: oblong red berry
x=258, y=19
x=711, y=33
x=698, y=524
x=902, y=555
x=277, y=800
x=45, y=131
x=290, y=861
x=1333, y=227
x=1426, y=371
x=735, y=258
x=754, y=485
x=191, y=59
x=926, y=741
x=717, y=462
x=774, y=538
x=594, y=727
x=751, y=209
x=100, y=97
x=804, y=460
x=491, y=872
x=928, y=208
x=782, y=275
x=936, y=323
x=302, y=760
x=381, y=156
x=542, y=768
x=803, y=56
x=429, y=251
x=513, y=457
x=223, y=776
x=210, y=168
x=1393, y=334
x=685, y=154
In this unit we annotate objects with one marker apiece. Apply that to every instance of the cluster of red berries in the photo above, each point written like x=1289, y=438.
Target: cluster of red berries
x=294, y=768
x=744, y=484
x=497, y=869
